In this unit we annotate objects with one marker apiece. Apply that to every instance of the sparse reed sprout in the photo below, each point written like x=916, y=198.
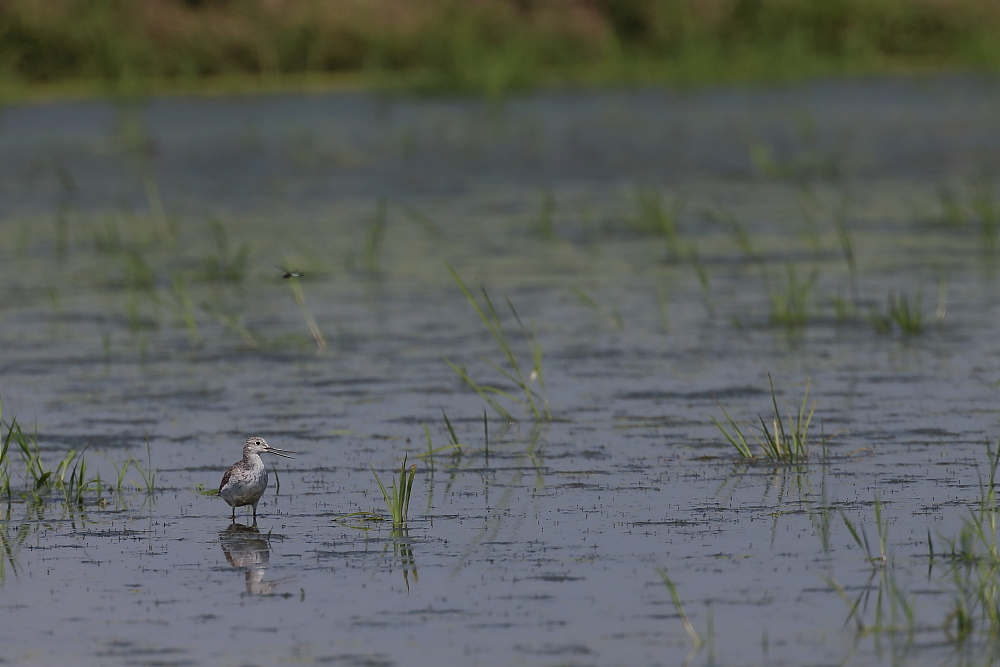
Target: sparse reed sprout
x=532, y=399
x=658, y=220
x=790, y=307
x=900, y=313
x=225, y=265
x=776, y=443
x=397, y=497
x=675, y=597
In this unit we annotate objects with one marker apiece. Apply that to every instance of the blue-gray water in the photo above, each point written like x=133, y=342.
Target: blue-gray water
x=118, y=327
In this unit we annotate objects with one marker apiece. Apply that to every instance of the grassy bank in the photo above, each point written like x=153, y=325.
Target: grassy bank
x=479, y=46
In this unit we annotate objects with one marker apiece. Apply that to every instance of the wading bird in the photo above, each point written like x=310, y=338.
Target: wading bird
x=245, y=481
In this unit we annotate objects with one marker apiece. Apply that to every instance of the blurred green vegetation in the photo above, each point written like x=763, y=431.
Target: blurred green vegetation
x=479, y=46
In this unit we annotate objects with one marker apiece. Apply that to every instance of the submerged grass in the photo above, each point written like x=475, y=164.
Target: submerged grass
x=776, y=443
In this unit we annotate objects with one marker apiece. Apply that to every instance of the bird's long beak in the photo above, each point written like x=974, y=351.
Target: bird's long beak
x=281, y=452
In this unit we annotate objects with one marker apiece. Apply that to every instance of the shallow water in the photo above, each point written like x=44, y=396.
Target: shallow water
x=545, y=546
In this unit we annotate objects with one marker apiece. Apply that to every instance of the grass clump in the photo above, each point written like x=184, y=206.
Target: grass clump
x=397, y=497
x=776, y=443
x=533, y=400
x=973, y=558
x=790, y=307
x=900, y=313
x=226, y=265
x=656, y=219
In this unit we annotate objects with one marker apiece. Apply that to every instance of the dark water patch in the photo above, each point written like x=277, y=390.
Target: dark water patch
x=725, y=393
x=354, y=660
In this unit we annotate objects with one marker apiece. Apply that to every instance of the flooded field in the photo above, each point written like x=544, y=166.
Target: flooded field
x=653, y=259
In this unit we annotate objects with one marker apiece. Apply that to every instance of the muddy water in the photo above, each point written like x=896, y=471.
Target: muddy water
x=143, y=248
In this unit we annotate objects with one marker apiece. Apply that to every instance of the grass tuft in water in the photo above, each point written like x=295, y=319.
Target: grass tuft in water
x=973, y=564
x=397, y=497
x=900, y=313
x=533, y=400
x=790, y=307
x=226, y=265
x=776, y=443
x=543, y=225
x=183, y=308
x=656, y=219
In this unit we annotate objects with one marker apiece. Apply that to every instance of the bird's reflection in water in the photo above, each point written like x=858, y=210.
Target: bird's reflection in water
x=248, y=550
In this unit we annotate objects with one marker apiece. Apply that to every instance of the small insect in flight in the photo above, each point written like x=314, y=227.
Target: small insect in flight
x=290, y=274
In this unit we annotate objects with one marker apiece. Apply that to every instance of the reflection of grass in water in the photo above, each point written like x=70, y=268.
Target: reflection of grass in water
x=402, y=550
x=397, y=497
x=9, y=544
x=776, y=443
x=489, y=393
x=893, y=612
x=973, y=564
